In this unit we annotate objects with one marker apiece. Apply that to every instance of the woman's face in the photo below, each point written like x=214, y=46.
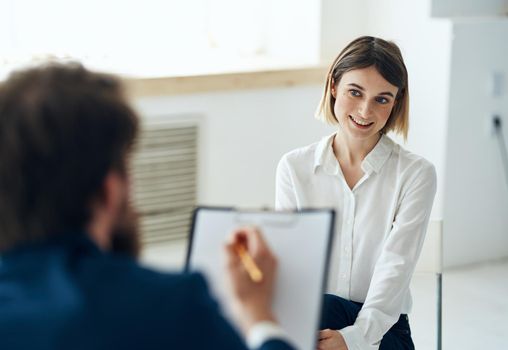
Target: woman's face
x=363, y=102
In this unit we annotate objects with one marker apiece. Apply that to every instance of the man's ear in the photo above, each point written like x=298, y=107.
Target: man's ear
x=105, y=208
x=113, y=189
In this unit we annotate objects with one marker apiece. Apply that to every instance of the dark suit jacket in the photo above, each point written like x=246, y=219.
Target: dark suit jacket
x=67, y=294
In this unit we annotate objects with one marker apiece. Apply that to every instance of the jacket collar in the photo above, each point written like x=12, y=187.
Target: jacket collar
x=78, y=241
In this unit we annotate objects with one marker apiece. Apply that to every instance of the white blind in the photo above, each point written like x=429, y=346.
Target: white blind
x=164, y=177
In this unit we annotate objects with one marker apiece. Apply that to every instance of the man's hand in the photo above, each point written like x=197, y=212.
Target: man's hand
x=330, y=339
x=253, y=300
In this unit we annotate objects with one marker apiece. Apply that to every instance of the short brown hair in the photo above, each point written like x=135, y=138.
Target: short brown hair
x=62, y=128
x=386, y=57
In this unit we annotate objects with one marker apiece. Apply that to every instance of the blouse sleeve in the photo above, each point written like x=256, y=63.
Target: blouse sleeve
x=395, y=265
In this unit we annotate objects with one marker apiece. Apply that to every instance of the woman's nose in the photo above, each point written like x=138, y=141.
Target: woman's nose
x=364, y=109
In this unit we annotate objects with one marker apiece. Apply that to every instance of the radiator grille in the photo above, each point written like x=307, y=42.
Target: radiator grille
x=164, y=179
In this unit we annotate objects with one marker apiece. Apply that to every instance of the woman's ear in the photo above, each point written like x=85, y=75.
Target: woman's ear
x=333, y=89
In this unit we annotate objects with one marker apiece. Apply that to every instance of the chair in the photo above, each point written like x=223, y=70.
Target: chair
x=431, y=261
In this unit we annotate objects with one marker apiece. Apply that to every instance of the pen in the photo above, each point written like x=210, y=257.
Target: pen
x=252, y=269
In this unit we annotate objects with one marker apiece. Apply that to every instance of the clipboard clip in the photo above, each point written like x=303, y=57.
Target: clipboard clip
x=269, y=218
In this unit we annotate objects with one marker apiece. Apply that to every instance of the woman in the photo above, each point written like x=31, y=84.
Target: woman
x=382, y=193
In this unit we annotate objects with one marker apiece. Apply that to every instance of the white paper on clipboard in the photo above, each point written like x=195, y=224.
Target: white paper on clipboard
x=301, y=241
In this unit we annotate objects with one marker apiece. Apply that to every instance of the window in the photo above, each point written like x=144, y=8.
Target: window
x=160, y=37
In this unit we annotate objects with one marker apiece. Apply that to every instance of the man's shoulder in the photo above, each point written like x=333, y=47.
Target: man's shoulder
x=144, y=280
x=130, y=294
x=83, y=294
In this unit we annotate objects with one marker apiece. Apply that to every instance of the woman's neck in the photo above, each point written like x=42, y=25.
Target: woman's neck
x=352, y=151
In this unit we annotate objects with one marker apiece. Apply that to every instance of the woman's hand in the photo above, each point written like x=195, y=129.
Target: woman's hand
x=330, y=339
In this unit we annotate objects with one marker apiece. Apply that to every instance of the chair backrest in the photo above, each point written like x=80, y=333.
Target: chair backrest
x=432, y=252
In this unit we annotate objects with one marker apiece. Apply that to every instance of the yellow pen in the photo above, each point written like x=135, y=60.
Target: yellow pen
x=252, y=269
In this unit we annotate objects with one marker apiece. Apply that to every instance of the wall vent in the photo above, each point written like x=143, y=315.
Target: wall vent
x=164, y=172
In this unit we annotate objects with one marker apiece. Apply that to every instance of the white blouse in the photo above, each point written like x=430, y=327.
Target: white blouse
x=380, y=226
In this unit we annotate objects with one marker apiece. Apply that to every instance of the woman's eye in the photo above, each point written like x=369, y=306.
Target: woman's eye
x=382, y=100
x=355, y=93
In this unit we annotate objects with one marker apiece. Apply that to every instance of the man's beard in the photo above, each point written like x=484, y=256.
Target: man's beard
x=125, y=233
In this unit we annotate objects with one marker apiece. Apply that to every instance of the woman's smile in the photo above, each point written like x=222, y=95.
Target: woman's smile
x=359, y=123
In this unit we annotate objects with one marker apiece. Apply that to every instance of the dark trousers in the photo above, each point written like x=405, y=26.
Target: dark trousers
x=339, y=313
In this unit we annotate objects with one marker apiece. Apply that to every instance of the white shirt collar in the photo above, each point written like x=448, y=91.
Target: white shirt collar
x=325, y=158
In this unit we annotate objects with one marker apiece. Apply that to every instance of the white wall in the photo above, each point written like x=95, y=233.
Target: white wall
x=341, y=22
x=293, y=31
x=476, y=193
x=474, y=8
x=242, y=137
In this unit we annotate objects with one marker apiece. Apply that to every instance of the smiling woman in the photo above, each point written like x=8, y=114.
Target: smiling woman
x=382, y=193
x=386, y=71
x=363, y=111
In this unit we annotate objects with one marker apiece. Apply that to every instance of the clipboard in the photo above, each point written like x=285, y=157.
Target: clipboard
x=301, y=241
